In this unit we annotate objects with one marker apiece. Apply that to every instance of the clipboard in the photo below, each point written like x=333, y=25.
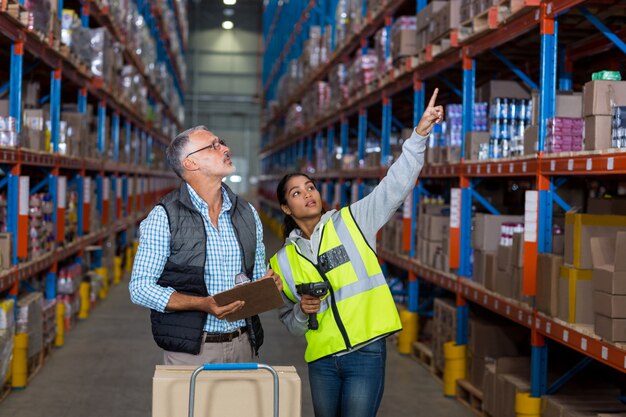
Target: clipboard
x=260, y=296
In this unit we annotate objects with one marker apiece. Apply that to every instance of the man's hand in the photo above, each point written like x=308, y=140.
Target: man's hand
x=310, y=304
x=275, y=277
x=432, y=115
x=221, y=312
x=183, y=302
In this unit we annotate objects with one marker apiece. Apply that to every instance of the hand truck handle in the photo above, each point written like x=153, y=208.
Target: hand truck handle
x=230, y=367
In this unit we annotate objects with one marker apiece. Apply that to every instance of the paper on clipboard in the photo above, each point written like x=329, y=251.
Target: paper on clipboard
x=259, y=296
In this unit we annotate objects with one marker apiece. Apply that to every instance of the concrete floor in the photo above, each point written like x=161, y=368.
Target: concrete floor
x=106, y=367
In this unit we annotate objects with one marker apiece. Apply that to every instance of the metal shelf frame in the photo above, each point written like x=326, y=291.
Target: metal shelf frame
x=63, y=172
x=555, y=71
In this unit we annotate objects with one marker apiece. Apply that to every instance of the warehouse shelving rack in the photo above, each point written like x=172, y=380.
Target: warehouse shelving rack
x=135, y=185
x=549, y=171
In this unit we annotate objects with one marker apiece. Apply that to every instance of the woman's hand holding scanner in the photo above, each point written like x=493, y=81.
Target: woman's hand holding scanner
x=311, y=295
x=432, y=115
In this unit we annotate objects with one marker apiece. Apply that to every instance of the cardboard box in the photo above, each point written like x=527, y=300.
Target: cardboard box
x=505, y=258
x=6, y=250
x=575, y=296
x=4, y=108
x=569, y=104
x=486, y=233
x=518, y=250
x=609, y=305
x=424, y=17
x=435, y=227
x=565, y=405
x=491, y=383
x=481, y=258
x=598, y=133
x=606, y=206
x=608, y=252
x=530, y=139
x=501, y=88
x=581, y=228
x=505, y=283
x=473, y=140
x=404, y=43
x=491, y=269
x=477, y=370
x=600, y=95
x=495, y=338
x=605, y=279
x=612, y=330
x=548, y=275
x=509, y=387
x=558, y=244
x=219, y=393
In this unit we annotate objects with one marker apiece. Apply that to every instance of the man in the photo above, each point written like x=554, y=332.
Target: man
x=191, y=246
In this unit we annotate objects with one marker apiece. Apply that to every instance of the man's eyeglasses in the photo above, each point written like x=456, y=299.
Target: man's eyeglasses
x=217, y=145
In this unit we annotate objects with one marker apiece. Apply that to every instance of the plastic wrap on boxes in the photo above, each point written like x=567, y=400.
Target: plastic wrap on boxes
x=294, y=120
x=338, y=80
x=41, y=12
x=509, y=117
x=316, y=101
x=8, y=134
x=380, y=40
x=30, y=321
x=7, y=331
x=362, y=71
x=618, y=128
x=564, y=134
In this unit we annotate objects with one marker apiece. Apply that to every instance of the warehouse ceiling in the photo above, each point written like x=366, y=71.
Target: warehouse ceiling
x=209, y=14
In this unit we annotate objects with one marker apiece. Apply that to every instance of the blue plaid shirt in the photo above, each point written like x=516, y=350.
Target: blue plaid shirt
x=223, y=259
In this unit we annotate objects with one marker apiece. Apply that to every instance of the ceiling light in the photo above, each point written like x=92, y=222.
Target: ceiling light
x=227, y=24
x=235, y=178
x=230, y=2
x=229, y=12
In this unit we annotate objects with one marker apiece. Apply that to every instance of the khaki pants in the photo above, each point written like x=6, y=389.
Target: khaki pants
x=236, y=351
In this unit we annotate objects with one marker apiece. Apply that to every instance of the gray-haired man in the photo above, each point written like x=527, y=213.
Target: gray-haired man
x=191, y=246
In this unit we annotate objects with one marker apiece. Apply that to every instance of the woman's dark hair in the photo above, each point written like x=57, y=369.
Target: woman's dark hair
x=281, y=192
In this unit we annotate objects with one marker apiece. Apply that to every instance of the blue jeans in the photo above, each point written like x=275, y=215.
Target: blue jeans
x=350, y=385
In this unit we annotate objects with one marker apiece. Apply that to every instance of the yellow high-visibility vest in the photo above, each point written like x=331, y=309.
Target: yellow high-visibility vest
x=359, y=307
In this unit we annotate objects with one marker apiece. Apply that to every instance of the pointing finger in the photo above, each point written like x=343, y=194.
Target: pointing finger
x=433, y=99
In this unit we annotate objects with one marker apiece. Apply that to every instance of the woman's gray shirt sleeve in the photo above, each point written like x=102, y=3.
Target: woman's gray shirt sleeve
x=373, y=211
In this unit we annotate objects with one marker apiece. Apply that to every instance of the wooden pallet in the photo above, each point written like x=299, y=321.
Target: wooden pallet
x=516, y=8
x=424, y=355
x=34, y=365
x=5, y=390
x=442, y=44
x=470, y=396
x=479, y=25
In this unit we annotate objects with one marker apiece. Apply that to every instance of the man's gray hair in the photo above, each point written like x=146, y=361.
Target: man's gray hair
x=174, y=151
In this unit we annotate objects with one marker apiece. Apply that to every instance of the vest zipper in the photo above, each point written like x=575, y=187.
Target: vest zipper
x=333, y=303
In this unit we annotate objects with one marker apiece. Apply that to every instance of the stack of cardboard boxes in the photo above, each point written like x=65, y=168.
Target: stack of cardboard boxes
x=609, y=285
x=486, y=238
x=503, y=379
x=432, y=229
x=444, y=329
x=392, y=235
x=600, y=97
x=584, y=401
x=575, y=285
x=425, y=24
x=490, y=340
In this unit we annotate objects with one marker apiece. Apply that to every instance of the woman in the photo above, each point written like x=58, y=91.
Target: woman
x=346, y=354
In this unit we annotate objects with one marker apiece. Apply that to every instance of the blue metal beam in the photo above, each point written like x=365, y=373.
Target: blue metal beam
x=469, y=85
x=559, y=182
x=4, y=181
x=397, y=123
x=525, y=78
x=486, y=204
x=558, y=200
x=376, y=131
x=362, y=134
x=15, y=92
x=450, y=85
x=558, y=384
x=55, y=109
x=603, y=28
x=43, y=183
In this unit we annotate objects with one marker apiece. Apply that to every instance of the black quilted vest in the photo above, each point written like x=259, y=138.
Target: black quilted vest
x=181, y=331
